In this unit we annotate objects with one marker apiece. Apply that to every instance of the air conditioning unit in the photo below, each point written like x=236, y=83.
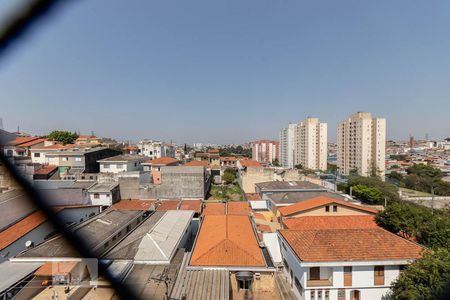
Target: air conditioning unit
x=257, y=276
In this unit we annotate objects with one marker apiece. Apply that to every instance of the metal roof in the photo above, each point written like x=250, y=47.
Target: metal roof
x=11, y=273
x=155, y=240
x=294, y=197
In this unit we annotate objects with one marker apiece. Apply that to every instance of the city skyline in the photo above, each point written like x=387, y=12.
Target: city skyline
x=175, y=71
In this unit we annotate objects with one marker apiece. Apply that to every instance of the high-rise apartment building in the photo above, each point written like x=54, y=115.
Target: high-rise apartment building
x=361, y=142
x=311, y=144
x=287, y=145
x=265, y=151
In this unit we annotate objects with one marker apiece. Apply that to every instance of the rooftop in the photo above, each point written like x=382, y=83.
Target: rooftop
x=319, y=202
x=328, y=222
x=162, y=161
x=123, y=158
x=45, y=170
x=11, y=273
x=103, y=187
x=289, y=186
x=249, y=163
x=134, y=205
x=195, y=205
x=55, y=268
x=238, y=208
x=294, y=197
x=155, y=240
x=214, y=209
x=95, y=231
x=22, y=140
x=168, y=205
x=367, y=244
x=227, y=240
x=197, y=163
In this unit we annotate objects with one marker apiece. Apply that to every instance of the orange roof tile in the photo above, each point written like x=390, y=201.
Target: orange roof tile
x=331, y=222
x=227, y=241
x=162, y=161
x=195, y=205
x=252, y=197
x=228, y=158
x=168, y=205
x=264, y=228
x=238, y=208
x=55, y=268
x=259, y=216
x=134, y=205
x=368, y=244
x=32, y=143
x=21, y=140
x=22, y=227
x=249, y=163
x=318, y=202
x=56, y=146
x=214, y=209
x=213, y=150
x=197, y=163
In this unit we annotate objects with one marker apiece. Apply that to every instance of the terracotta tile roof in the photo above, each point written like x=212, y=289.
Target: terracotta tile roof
x=214, y=209
x=331, y=222
x=21, y=140
x=56, y=146
x=162, y=161
x=252, y=197
x=46, y=169
x=264, y=228
x=368, y=244
x=318, y=202
x=22, y=227
x=32, y=143
x=168, y=205
x=55, y=268
x=227, y=241
x=134, y=205
x=197, y=163
x=195, y=205
x=213, y=150
x=259, y=216
x=249, y=163
x=238, y=208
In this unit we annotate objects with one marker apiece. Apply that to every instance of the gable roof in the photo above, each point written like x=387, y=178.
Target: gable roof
x=318, y=202
x=162, y=161
x=330, y=222
x=368, y=244
x=214, y=209
x=238, y=208
x=227, y=241
x=32, y=143
x=22, y=140
x=249, y=163
x=134, y=205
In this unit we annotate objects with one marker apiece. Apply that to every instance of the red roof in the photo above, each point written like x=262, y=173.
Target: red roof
x=134, y=205
x=56, y=268
x=228, y=158
x=368, y=244
x=162, y=161
x=249, y=163
x=195, y=205
x=214, y=209
x=46, y=170
x=22, y=140
x=168, y=205
x=56, y=146
x=213, y=150
x=22, y=227
x=238, y=208
x=318, y=202
x=227, y=241
x=197, y=163
x=331, y=222
x=264, y=228
x=32, y=143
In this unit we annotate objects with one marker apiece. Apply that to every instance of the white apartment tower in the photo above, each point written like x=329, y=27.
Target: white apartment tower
x=361, y=142
x=311, y=144
x=287, y=145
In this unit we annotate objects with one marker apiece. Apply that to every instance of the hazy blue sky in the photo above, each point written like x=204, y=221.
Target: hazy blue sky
x=229, y=71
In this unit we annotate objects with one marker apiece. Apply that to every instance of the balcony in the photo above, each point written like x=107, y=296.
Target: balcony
x=320, y=282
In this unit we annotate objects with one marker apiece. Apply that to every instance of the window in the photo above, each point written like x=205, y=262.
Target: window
x=313, y=294
x=334, y=208
x=327, y=295
x=64, y=158
x=298, y=285
x=106, y=166
x=244, y=284
x=341, y=294
x=77, y=158
x=314, y=273
x=327, y=208
x=96, y=196
x=107, y=195
x=37, y=154
x=379, y=275
x=401, y=269
x=319, y=295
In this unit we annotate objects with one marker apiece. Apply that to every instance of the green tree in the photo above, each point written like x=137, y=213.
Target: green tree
x=427, y=278
x=332, y=168
x=368, y=194
x=298, y=167
x=276, y=162
x=396, y=176
x=65, y=137
x=387, y=190
x=229, y=175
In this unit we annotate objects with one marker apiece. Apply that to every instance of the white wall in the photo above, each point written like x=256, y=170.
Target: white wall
x=117, y=167
x=105, y=199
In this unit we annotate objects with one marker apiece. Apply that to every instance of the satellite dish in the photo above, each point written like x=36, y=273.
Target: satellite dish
x=29, y=244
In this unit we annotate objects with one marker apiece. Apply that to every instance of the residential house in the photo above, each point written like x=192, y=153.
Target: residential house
x=21, y=146
x=122, y=163
x=155, y=149
x=104, y=194
x=156, y=164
